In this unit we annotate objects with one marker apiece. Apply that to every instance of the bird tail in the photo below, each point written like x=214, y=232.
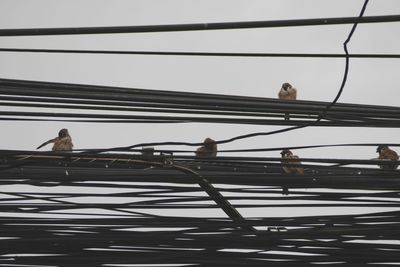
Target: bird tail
x=46, y=143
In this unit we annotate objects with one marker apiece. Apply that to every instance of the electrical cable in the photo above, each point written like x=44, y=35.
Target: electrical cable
x=199, y=26
x=202, y=54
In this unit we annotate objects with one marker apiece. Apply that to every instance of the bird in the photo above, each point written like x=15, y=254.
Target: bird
x=385, y=153
x=61, y=143
x=289, y=159
x=208, y=149
x=287, y=92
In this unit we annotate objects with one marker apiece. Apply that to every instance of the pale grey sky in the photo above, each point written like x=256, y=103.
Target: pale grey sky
x=371, y=81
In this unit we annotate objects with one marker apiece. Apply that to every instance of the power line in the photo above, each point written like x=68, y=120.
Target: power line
x=202, y=54
x=129, y=99
x=198, y=26
x=206, y=107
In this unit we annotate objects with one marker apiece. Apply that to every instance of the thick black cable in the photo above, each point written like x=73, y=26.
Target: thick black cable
x=110, y=96
x=93, y=120
x=202, y=54
x=88, y=158
x=233, y=118
x=198, y=26
x=91, y=94
x=106, y=98
x=312, y=146
x=93, y=106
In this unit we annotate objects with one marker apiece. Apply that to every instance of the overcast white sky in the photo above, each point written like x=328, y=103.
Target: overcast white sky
x=371, y=81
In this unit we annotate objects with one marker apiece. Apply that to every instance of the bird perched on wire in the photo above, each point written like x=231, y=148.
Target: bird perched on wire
x=292, y=164
x=61, y=143
x=287, y=92
x=385, y=153
x=208, y=149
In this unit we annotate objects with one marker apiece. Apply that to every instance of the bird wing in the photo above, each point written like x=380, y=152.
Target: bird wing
x=287, y=164
x=292, y=93
x=46, y=143
x=200, y=151
x=296, y=160
x=389, y=154
x=63, y=144
x=283, y=94
x=392, y=155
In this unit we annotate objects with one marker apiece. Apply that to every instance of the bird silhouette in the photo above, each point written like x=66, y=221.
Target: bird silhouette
x=287, y=92
x=61, y=143
x=385, y=153
x=208, y=149
x=292, y=165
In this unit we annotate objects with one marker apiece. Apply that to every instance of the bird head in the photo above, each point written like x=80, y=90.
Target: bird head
x=286, y=153
x=381, y=147
x=209, y=143
x=63, y=133
x=286, y=86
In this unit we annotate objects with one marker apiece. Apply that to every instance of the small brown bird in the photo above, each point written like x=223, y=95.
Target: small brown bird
x=289, y=159
x=287, y=92
x=385, y=153
x=61, y=143
x=208, y=149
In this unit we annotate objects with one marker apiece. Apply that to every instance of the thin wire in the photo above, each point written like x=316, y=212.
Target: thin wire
x=202, y=54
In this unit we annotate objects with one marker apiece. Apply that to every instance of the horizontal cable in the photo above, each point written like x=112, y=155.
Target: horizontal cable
x=208, y=54
x=221, y=107
x=198, y=26
x=128, y=118
x=89, y=157
x=126, y=96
